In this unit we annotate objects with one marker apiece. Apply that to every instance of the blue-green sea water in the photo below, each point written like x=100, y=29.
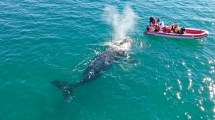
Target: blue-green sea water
x=45, y=40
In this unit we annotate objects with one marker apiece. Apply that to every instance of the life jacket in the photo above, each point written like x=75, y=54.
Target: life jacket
x=168, y=30
x=173, y=29
x=157, y=28
x=177, y=30
x=164, y=28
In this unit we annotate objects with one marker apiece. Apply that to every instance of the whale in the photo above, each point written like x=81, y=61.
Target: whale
x=96, y=67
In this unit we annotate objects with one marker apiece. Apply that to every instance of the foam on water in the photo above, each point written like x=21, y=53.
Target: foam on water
x=123, y=47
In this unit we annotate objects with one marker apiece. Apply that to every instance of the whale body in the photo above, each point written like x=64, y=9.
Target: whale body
x=96, y=67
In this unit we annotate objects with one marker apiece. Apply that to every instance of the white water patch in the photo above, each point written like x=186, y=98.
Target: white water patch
x=211, y=86
x=190, y=84
x=122, y=23
x=123, y=47
x=179, y=83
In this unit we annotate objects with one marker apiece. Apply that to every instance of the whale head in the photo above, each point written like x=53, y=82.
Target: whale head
x=126, y=40
x=124, y=44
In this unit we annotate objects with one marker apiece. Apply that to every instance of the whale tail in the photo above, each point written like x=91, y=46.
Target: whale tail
x=65, y=87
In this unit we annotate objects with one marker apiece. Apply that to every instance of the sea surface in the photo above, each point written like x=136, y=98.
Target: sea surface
x=45, y=40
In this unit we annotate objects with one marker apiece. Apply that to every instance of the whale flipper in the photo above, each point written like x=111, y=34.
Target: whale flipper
x=65, y=87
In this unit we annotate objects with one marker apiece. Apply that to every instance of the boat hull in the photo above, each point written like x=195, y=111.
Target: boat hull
x=189, y=34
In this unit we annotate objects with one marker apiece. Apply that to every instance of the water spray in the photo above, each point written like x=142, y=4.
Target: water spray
x=122, y=23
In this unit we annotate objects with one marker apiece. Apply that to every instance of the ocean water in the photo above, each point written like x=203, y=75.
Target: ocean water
x=45, y=40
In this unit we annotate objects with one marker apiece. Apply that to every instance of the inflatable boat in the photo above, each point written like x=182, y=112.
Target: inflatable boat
x=189, y=33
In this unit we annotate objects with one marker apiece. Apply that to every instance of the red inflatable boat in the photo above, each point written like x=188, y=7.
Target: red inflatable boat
x=188, y=34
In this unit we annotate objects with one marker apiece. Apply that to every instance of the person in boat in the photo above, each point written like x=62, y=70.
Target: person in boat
x=158, y=21
x=182, y=30
x=150, y=27
x=162, y=25
x=176, y=28
x=157, y=27
x=171, y=26
x=164, y=28
x=168, y=29
x=152, y=20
